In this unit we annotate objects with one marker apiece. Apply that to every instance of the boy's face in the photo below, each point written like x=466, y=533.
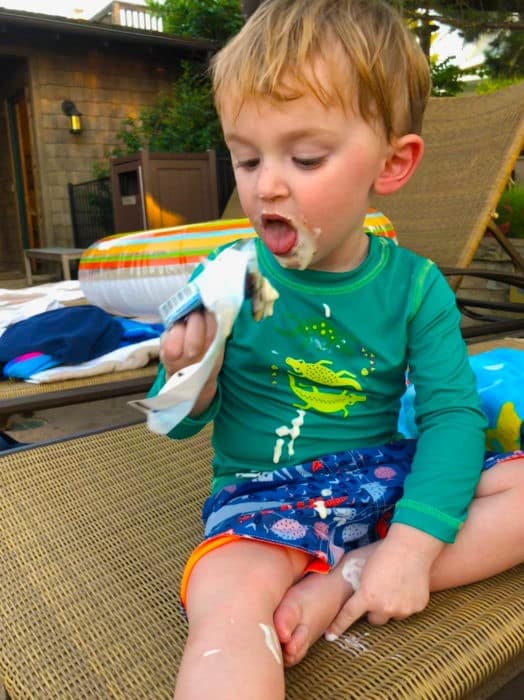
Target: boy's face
x=304, y=174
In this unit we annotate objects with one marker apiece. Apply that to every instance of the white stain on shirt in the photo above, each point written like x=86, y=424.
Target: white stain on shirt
x=277, y=452
x=292, y=432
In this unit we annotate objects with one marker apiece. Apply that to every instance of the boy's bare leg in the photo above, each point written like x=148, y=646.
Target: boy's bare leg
x=491, y=541
x=492, y=538
x=232, y=645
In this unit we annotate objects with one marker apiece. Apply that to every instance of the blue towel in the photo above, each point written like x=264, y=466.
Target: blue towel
x=24, y=366
x=70, y=335
x=137, y=331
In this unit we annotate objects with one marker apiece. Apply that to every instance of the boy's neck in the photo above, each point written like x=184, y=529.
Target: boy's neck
x=355, y=254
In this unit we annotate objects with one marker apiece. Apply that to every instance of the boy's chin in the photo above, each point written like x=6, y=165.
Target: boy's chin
x=300, y=257
x=289, y=262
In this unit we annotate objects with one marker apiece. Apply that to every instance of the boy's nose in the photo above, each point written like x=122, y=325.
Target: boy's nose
x=271, y=184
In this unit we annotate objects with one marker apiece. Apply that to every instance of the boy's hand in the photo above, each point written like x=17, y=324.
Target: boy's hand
x=185, y=344
x=395, y=579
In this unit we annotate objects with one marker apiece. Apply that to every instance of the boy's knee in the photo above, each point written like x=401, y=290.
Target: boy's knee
x=238, y=581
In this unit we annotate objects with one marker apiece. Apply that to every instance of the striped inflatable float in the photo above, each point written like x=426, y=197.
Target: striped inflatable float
x=132, y=274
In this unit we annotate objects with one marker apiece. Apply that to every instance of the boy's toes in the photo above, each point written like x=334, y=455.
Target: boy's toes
x=286, y=619
x=297, y=647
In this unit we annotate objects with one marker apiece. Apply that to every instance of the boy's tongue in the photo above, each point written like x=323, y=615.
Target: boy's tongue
x=279, y=236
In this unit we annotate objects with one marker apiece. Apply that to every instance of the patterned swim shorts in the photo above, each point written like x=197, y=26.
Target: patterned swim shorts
x=325, y=507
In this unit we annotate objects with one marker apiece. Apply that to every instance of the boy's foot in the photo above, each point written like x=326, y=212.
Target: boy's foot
x=306, y=611
x=309, y=606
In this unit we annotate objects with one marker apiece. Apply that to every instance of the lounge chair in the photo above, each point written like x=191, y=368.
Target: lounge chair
x=23, y=397
x=17, y=396
x=95, y=532
x=472, y=144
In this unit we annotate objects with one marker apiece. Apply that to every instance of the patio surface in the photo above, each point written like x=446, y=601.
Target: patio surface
x=55, y=423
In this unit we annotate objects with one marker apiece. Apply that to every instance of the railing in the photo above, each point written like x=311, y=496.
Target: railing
x=140, y=20
x=92, y=207
x=91, y=211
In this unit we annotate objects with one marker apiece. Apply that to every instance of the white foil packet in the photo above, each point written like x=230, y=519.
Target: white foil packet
x=222, y=288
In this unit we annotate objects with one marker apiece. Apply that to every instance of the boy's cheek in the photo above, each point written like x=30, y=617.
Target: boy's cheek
x=245, y=195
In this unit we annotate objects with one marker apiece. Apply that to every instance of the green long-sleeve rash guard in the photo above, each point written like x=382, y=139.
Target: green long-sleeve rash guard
x=326, y=372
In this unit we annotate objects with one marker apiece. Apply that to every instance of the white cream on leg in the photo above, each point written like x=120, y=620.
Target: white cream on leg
x=272, y=642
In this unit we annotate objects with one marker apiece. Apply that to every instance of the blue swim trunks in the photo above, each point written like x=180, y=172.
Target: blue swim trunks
x=325, y=507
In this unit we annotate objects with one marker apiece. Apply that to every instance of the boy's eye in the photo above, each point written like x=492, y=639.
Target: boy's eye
x=249, y=164
x=309, y=163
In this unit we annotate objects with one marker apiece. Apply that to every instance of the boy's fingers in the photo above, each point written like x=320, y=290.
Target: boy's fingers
x=195, y=338
x=186, y=341
x=378, y=619
x=172, y=343
x=351, y=611
x=211, y=327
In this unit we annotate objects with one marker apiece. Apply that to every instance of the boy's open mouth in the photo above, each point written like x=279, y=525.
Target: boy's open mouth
x=278, y=234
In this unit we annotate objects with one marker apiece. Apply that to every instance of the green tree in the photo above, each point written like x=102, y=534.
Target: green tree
x=182, y=120
x=445, y=78
x=205, y=19
x=505, y=55
x=472, y=18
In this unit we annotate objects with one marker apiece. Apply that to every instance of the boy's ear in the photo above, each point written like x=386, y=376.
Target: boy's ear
x=400, y=165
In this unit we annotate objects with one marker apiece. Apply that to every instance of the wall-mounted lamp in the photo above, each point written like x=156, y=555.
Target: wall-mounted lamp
x=70, y=110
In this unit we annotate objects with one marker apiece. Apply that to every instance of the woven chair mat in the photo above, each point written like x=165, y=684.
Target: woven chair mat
x=95, y=532
x=471, y=146
x=16, y=389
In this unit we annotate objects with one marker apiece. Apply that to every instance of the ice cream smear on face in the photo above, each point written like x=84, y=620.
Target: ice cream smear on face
x=292, y=243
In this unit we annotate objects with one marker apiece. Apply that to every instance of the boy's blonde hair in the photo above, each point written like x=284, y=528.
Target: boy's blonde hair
x=374, y=63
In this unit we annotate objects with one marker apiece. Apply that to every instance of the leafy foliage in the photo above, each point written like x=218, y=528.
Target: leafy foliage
x=205, y=19
x=510, y=210
x=504, y=19
x=180, y=121
x=446, y=78
x=488, y=84
x=505, y=55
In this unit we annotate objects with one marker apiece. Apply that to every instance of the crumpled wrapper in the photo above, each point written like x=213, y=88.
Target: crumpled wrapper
x=222, y=289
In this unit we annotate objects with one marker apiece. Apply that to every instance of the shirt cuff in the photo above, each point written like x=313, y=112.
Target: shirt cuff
x=428, y=519
x=192, y=425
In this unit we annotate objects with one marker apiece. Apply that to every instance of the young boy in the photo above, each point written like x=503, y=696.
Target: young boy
x=321, y=104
